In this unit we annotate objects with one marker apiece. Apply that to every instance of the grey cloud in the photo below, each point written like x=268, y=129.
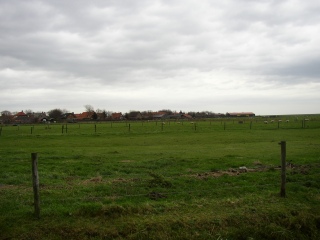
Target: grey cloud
x=116, y=43
x=308, y=68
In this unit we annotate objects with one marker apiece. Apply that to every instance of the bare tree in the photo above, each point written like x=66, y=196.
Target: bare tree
x=103, y=114
x=6, y=116
x=5, y=113
x=108, y=113
x=89, y=108
x=28, y=111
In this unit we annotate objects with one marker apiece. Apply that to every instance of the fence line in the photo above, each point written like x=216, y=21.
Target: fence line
x=144, y=175
x=226, y=186
x=145, y=127
x=166, y=193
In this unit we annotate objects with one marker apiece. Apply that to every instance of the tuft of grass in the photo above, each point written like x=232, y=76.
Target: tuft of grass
x=158, y=181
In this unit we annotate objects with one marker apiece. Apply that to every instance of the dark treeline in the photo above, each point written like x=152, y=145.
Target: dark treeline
x=90, y=114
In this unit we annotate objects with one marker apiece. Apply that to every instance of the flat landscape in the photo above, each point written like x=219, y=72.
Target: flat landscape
x=208, y=179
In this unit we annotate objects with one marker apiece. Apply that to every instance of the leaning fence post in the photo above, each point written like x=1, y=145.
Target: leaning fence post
x=283, y=169
x=35, y=181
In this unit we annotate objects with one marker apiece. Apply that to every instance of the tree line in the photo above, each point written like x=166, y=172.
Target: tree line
x=58, y=114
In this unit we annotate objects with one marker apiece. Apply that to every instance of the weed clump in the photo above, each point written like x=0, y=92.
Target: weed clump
x=158, y=181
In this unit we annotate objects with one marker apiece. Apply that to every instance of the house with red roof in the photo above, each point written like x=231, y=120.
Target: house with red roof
x=117, y=116
x=85, y=116
x=22, y=117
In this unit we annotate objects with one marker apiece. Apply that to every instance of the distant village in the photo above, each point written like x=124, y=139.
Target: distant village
x=58, y=115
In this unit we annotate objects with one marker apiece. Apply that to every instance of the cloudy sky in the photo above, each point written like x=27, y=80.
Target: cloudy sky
x=191, y=55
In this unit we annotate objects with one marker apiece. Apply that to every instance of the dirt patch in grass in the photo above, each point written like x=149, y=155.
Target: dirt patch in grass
x=126, y=161
x=94, y=180
x=100, y=180
x=3, y=186
x=229, y=172
x=125, y=180
x=216, y=174
x=291, y=169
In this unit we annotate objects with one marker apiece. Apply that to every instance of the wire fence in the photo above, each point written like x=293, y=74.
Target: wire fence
x=143, y=127
x=72, y=189
x=99, y=189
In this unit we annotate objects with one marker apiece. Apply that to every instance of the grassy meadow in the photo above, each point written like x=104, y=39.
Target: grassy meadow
x=162, y=180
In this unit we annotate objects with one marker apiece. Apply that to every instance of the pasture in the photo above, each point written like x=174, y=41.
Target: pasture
x=162, y=180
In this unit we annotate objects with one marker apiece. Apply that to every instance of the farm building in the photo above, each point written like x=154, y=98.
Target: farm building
x=134, y=115
x=22, y=117
x=117, y=116
x=240, y=114
x=85, y=116
x=186, y=116
x=69, y=117
x=161, y=115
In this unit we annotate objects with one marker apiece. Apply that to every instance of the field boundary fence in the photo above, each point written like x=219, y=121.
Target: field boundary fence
x=155, y=187
x=131, y=127
x=151, y=194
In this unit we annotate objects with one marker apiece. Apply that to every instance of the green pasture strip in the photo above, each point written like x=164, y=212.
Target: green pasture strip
x=160, y=181
x=169, y=126
x=210, y=216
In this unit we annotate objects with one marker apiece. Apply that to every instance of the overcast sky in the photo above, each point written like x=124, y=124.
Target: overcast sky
x=191, y=55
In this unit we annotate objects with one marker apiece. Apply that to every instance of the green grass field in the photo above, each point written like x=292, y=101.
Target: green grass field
x=149, y=180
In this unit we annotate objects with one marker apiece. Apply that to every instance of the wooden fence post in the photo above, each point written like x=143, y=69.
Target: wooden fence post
x=283, y=169
x=66, y=128
x=62, y=127
x=129, y=127
x=95, y=128
x=35, y=181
